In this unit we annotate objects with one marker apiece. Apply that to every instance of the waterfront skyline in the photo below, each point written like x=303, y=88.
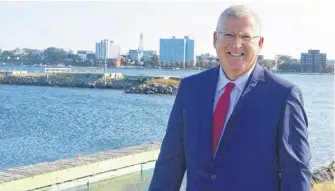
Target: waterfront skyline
x=296, y=28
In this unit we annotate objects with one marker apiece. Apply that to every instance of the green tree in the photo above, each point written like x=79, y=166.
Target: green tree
x=330, y=69
x=55, y=55
x=289, y=67
x=187, y=64
x=285, y=67
x=319, y=68
x=283, y=58
x=177, y=64
x=199, y=63
x=212, y=64
x=192, y=63
x=266, y=63
x=157, y=62
x=6, y=53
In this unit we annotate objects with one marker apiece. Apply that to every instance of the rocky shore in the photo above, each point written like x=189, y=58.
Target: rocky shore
x=54, y=82
x=323, y=178
x=135, y=87
x=152, y=89
x=325, y=173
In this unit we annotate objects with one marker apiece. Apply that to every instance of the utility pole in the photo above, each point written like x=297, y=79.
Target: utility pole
x=105, y=67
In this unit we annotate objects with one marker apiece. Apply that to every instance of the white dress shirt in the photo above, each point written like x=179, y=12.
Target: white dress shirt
x=234, y=94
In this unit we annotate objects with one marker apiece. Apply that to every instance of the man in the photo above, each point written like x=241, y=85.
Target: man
x=236, y=127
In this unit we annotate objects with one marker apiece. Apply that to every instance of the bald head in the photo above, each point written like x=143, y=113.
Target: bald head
x=239, y=11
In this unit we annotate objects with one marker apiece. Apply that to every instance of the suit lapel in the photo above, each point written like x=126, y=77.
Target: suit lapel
x=208, y=92
x=256, y=77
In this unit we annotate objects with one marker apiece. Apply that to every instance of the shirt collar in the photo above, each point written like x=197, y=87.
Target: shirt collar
x=239, y=82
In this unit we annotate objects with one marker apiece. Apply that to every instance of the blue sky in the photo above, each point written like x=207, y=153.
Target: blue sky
x=289, y=26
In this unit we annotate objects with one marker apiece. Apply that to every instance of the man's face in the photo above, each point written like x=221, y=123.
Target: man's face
x=237, y=45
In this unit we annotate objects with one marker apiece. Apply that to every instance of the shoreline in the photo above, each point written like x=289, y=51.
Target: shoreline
x=139, y=85
x=144, y=68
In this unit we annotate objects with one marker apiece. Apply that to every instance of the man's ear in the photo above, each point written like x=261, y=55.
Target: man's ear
x=260, y=42
x=215, y=38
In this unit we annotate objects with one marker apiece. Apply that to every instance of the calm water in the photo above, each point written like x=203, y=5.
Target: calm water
x=44, y=124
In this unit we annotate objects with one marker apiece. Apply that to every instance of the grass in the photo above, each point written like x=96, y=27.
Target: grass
x=324, y=186
x=29, y=75
x=163, y=82
x=328, y=179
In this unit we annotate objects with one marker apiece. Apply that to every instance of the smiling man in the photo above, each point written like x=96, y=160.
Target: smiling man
x=237, y=126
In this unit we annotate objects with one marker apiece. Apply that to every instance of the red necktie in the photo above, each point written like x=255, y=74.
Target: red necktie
x=220, y=114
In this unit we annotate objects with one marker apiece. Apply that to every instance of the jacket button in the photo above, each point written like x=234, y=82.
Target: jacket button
x=213, y=177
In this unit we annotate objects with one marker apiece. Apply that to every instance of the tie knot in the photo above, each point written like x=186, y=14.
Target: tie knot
x=230, y=86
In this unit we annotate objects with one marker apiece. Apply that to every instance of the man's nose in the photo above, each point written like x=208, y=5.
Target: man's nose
x=237, y=42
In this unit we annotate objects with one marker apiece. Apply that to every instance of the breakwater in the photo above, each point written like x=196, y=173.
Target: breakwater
x=137, y=84
x=152, y=89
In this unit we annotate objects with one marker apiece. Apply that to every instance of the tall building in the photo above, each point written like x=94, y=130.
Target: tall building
x=136, y=55
x=114, y=50
x=107, y=49
x=314, y=61
x=176, y=50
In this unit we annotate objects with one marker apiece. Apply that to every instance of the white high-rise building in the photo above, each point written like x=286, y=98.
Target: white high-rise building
x=114, y=50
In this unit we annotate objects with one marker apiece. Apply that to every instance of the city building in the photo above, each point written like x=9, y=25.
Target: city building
x=207, y=58
x=114, y=50
x=134, y=55
x=107, y=50
x=101, y=49
x=149, y=53
x=85, y=54
x=314, y=61
x=176, y=50
x=330, y=62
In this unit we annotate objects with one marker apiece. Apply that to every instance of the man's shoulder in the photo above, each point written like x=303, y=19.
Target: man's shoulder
x=281, y=86
x=277, y=81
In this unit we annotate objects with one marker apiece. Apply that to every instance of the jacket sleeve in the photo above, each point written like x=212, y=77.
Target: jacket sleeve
x=294, y=152
x=170, y=165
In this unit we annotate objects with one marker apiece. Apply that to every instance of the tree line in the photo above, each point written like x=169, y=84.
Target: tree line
x=54, y=56
x=286, y=63
x=49, y=56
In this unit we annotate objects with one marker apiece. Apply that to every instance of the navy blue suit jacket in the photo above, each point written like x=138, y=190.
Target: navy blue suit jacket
x=264, y=147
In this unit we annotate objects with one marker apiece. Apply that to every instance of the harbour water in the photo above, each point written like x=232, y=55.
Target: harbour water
x=41, y=124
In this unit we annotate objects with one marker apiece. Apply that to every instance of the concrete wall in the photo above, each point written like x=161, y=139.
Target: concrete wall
x=73, y=172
